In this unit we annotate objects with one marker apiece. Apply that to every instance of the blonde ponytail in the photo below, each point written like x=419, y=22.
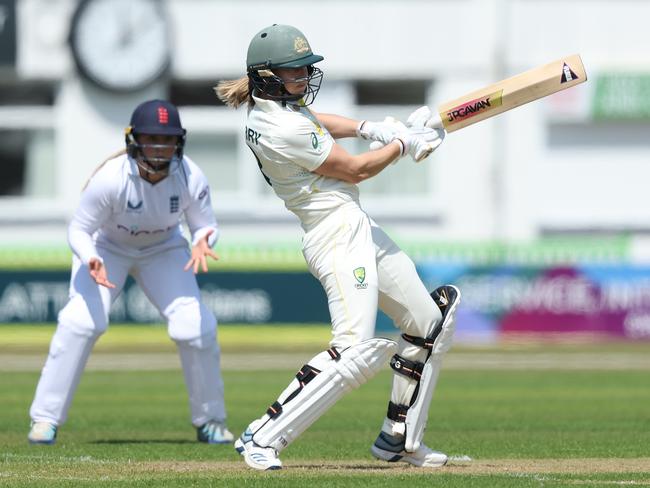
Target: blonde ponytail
x=234, y=93
x=112, y=156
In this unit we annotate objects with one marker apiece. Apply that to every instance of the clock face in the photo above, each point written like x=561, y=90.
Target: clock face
x=121, y=45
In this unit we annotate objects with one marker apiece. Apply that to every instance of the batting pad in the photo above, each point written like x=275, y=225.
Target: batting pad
x=356, y=365
x=418, y=412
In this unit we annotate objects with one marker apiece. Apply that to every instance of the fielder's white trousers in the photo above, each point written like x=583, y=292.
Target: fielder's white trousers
x=362, y=269
x=173, y=292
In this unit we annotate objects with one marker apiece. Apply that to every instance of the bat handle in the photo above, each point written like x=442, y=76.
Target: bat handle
x=435, y=122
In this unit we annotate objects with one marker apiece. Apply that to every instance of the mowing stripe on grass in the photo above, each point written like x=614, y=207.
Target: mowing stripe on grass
x=257, y=361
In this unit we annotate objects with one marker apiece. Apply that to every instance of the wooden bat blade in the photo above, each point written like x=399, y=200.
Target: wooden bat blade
x=511, y=92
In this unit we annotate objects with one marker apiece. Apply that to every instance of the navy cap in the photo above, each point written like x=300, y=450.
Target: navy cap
x=156, y=117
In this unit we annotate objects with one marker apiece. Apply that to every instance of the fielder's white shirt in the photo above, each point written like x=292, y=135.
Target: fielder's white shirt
x=122, y=212
x=289, y=143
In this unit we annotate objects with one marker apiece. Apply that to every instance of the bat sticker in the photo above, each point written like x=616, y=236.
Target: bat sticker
x=473, y=108
x=567, y=74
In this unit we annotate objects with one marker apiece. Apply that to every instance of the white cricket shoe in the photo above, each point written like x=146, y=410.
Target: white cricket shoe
x=42, y=433
x=214, y=432
x=257, y=457
x=390, y=448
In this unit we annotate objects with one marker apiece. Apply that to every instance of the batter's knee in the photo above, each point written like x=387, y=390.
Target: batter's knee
x=424, y=318
x=347, y=339
x=414, y=317
x=191, y=322
x=83, y=316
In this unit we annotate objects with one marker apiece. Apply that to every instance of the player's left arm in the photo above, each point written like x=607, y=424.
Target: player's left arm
x=340, y=127
x=200, y=220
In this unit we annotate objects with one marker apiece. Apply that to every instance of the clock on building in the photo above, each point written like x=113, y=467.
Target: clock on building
x=120, y=45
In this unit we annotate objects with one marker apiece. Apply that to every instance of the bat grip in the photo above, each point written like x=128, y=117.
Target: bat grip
x=435, y=122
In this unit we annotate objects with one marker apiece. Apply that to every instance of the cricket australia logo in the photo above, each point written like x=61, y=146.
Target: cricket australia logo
x=173, y=204
x=314, y=140
x=360, y=276
x=300, y=45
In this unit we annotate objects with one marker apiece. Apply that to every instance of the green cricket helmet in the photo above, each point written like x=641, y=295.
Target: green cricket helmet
x=282, y=46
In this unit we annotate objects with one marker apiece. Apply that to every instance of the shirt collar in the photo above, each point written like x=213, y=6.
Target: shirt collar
x=132, y=167
x=275, y=106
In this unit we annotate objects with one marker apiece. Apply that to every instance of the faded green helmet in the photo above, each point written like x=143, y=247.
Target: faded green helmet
x=280, y=46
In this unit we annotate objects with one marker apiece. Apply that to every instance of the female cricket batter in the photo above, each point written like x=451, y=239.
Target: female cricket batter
x=359, y=266
x=128, y=222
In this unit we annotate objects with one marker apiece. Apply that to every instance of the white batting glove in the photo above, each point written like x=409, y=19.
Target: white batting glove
x=417, y=140
x=420, y=142
x=424, y=117
x=419, y=118
x=392, y=127
x=382, y=132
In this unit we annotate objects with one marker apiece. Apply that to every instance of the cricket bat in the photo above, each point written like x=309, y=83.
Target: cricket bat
x=509, y=93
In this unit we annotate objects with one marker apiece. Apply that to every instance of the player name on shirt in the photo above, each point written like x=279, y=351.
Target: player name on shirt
x=251, y=135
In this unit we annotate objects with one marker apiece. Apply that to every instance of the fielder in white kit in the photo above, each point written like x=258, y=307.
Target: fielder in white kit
x=129, y=223
x=359, y=266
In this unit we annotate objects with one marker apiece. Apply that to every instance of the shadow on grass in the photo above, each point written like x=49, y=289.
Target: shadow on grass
x=333, y=466
x=143, y=441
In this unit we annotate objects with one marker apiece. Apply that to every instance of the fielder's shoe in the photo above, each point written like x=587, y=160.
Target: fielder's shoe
x=390, y=448
x=42, y=433
x=257, y=457
x=214, y=432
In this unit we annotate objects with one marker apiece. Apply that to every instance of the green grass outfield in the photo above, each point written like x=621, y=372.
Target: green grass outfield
x=568, y=423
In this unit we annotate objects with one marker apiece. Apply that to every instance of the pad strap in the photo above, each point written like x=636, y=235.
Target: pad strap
x=334, y=353
x=424, y=343
x=304, y=376
x=274, y=410
x=397, y=412
x=410, y=369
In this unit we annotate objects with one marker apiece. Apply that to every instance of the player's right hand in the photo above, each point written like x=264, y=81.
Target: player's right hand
x=424, y=117
x=419, y=118
x=420, y=142
x=98, y=273
x=200, y=251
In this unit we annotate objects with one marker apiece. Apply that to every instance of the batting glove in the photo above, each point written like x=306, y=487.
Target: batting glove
x=424, y=117
x=420, y=142
x=416, y=140
x=419, y=118
x=383, y=132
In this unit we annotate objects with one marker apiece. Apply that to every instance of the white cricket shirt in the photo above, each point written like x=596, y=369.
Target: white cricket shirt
x=289, y=143
x=121, y=211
